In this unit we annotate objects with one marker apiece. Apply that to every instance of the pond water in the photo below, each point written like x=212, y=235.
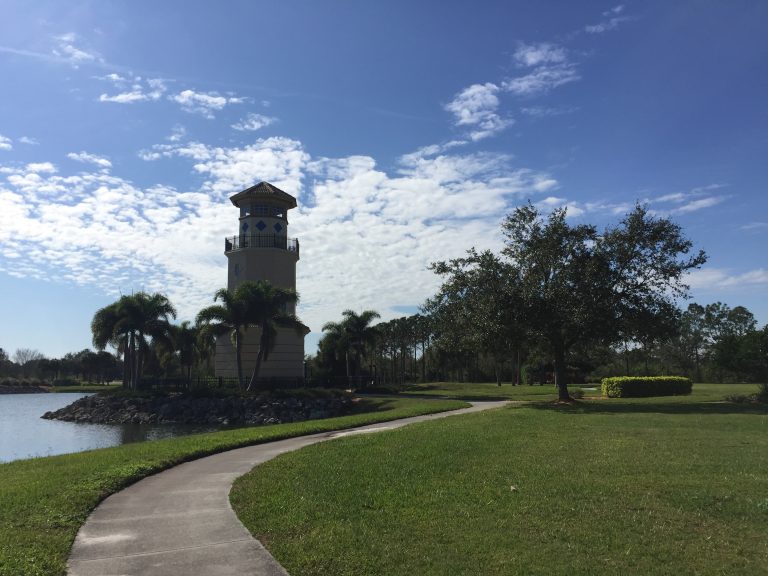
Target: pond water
x=23, y=434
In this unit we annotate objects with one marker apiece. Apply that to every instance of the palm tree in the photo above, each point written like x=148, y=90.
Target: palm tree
x=252, y=305
x=105, y=331
x=231, y=317
x=127, y=323
x=206, y=348
x=354, y=334
x=267, y=307
x=185, y=341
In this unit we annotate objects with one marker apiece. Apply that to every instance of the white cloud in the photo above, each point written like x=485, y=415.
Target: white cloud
x=29, y=141
x=367, y=236
x=476, y=106
x=149, y=156
x=178, y=132
x=538, y=54
x=674, y=197
x=254, y=122
x=692, y=200
x=124, y=97
x=611, y=21
x=542, y=80
x=755, y=226
x=699, y=204
x=204, y=103
x=5, y=143
x=549, y=203
x=90, y=158
x=66, y=50
x=140, y=90
x=41, y=167
x=710, y=279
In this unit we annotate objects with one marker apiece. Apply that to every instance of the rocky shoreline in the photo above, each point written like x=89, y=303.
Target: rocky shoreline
x=22, y=390
x=265, y=408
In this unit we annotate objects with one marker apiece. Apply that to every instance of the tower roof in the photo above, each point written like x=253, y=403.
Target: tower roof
x=264, y=190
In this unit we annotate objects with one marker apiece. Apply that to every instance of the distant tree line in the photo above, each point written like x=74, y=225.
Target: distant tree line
x=149, y=346
x=558, y=304
x=86, y=366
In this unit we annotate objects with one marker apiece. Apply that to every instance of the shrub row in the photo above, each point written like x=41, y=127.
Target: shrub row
x=640, y=386
x=26, y=382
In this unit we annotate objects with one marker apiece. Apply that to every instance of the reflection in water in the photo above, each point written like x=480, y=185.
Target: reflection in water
x=23, y=434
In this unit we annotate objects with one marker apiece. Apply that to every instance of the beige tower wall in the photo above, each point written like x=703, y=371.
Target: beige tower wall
x=275, y=265
x=286, y=361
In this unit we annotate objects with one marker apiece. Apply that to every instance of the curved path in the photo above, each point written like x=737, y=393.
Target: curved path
x=179, y=522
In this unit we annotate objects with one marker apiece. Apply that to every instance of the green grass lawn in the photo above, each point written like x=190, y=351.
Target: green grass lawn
x=44, y=501
x=626, y=486
x=86, y=388
x=489, y=391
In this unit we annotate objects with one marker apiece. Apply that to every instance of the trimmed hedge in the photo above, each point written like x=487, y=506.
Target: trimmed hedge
x=641, y=386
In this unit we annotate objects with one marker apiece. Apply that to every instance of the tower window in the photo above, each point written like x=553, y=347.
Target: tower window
x=254, y=209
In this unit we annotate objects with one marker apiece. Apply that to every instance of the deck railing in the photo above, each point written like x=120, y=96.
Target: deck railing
x=261, y=241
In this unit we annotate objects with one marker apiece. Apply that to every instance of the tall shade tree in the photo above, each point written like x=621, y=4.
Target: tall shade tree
x=353, y=336
x=578, y=285
x=480, y=306
x=128, y=323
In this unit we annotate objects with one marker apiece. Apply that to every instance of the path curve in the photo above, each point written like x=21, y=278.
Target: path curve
x=180, y=522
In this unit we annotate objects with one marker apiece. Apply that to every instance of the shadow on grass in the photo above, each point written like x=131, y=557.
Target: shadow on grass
x=624, y=407
x=374, y=404
x=422, y=388
x=419, y=392
x=465, y=397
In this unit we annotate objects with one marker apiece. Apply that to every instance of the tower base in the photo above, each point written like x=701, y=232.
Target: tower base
x=285, y=362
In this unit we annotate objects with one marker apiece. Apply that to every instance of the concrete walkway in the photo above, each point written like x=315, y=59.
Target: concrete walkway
x=179, y=522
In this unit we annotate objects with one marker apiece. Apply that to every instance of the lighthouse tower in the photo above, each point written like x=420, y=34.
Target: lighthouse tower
x=262, y=250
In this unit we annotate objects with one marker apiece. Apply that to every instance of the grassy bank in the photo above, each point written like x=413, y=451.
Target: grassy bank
x=86, y=388
x=641, y=486
x=489, y=391
x=44, y=501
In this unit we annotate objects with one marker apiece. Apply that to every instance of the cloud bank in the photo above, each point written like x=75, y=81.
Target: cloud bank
x=367, y=236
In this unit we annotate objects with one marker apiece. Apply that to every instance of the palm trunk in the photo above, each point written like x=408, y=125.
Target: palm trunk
x=139, y=360
x=126, y=367
x=135, y=364
x=256, y=369
x=238, y=359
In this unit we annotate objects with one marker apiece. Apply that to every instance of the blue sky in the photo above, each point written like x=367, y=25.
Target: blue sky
x=407, y=130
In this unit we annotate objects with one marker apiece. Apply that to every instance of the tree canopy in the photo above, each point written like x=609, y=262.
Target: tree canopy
x=126, y=325
x=566, y=284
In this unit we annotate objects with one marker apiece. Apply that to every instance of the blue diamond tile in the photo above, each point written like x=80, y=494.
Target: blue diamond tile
x=278, y=227
x=245, y=226
x=261, y=225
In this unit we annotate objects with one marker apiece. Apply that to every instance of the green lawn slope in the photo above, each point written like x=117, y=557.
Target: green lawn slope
x=644, y=486
x=44, y=501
